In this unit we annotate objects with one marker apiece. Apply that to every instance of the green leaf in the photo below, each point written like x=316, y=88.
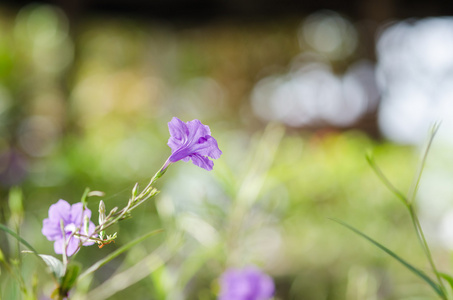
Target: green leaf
x=17, y=237
x=54, y=264
x=384, y=179
x=413, y=269
x=114, y=254
x=56, y=267
x=418, y=175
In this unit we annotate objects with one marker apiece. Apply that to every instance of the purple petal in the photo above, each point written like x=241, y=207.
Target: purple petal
x=192, y=140
x=58, y=246
x=267, y=287
x=73, y=246
x=60, y=210
x=246, y=284
x=51, y=229
x=197, y=130
x=178, y=133
x=77, y=214
x=202, y=162
x=207, y=146
x=91, y=228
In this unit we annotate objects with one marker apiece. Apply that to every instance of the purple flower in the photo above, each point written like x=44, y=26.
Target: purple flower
x=192, y=140
x=73, y=219
x=246, y=284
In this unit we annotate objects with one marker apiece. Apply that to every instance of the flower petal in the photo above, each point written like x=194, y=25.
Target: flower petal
x=91, y=228
x=246, y=284
x=60, y=210
x=192, y=140
x=58, y=246
x=197, y=130
x=51, y=229
x=202, y=162
x=73, y=246
x=178, y=133
x=207, y=146
x=77, y=214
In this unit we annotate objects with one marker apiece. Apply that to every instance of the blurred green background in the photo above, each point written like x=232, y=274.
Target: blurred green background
x=295, y=102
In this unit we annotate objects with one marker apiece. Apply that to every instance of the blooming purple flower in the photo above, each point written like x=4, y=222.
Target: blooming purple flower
x=73, y=219
x=249, y=283
x=192, y=140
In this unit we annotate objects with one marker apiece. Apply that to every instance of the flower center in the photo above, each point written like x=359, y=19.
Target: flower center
x=70, y=228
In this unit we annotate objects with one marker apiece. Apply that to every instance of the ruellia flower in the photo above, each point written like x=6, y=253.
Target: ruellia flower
x=76, y=226
x=248, y=283
x=192, y=140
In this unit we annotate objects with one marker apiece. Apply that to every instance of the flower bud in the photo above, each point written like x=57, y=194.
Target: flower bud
x=101, y=212
x=135, y=191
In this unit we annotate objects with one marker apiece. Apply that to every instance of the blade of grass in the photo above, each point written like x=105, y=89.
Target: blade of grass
x=384, y=179
x=447, y=278
x=410, y=267
x=410, y=200
x=415, y=183
x=424, y=243
x=17, y=237
x=114, y=254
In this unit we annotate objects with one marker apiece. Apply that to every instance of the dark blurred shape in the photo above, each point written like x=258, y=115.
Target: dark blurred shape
x=202, y=10
x=13, y=167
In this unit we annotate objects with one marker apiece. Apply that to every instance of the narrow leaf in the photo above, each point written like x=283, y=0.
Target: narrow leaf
x=17, y=237
x=120, y=250
x=384, y=179
x=418, y=175
x=413, y=269
x=447, y=278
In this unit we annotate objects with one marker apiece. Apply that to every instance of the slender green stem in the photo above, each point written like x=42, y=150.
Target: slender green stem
x=64, y=254
x=415, y=183
x=134, y=201
x=156, y=176
x=424, y=243
x=13, y=272
x=410, y=200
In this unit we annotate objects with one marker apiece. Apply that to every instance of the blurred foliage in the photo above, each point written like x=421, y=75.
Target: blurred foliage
x=88, y=106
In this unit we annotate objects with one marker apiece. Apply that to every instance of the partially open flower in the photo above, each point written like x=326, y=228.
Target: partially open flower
x=75, y=222
x=192, y=140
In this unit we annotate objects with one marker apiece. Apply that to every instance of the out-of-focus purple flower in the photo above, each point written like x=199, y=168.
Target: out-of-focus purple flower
x=73, y=219
x=249, y=283
x=192, y=140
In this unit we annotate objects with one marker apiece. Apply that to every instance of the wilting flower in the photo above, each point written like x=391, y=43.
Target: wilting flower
x=192, y=140
x=75, y=220
x=246, y=284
